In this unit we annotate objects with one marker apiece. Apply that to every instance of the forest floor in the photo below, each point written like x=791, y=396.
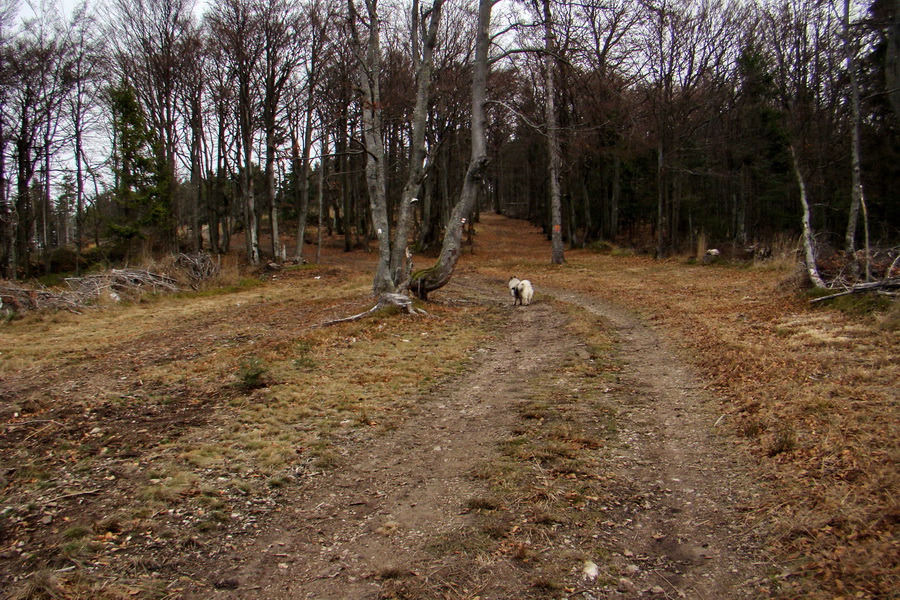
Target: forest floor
x=642, y=429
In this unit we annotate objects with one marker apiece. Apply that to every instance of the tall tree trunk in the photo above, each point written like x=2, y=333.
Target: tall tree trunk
x=246, y=127
x=857, y=199
x=270, y=188
x=321, y=198
x=369, y=69
x=46, y=208
x=660, y=203
x=892, y=61
x=343, y=166
x=24, y=213
x=79, y=190
x=808, y=239
x=302, y=175
x=251, y=223
x=615, y=197
x=7, y=221
x=427, y=202
x=196, y=174
x=856, y=183
x=552, y=116
x=417, y=150
x=435, y=277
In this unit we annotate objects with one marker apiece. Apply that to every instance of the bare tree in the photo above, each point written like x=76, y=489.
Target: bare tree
x=222, y=114
x=551, y=113
x=857, y=195
x=150, y=37
x=369, y=62
x=191, y=96
x=39, y=90
x=423, y=64
x=8, y=11
x=809, y=244
x=392, y=250
x=686, y=43
x=237, y=28
x=281, y=54
x=301, y=108
x=88, y=68
x=438, y=275
x=892, y=60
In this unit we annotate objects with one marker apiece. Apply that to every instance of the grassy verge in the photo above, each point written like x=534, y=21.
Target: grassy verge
x=184, y=418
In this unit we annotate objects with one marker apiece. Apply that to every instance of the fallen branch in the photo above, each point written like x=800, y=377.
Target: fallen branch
x=75, y=495
x=885, y=286
x=402, y=302
x=31, y=422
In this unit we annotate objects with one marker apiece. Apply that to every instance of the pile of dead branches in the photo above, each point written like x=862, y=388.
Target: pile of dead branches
x=115, y=285
x=119, y=283
x=15, y=299
x=198, y=267
x=887, y=286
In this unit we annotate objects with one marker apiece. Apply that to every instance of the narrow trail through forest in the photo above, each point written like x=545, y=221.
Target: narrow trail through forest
x=364, y=529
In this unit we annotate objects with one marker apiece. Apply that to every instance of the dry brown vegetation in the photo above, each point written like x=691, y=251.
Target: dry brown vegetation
x=142, y=439
x=812, y=390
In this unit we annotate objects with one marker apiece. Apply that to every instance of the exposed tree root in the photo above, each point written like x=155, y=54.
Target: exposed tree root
x=401, y=301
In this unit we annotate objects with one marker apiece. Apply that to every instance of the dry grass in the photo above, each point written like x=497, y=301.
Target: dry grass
x=45, y=585
x=246, y=390
x=813, y=390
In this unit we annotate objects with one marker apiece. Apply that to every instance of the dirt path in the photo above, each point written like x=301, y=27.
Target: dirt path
x=681, y=531
x=371, y=519
x=369, y=528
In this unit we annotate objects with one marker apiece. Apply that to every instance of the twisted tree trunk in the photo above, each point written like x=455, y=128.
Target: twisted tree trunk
x=435, y=277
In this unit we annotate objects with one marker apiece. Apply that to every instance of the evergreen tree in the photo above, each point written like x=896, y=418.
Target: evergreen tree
x=142, y=179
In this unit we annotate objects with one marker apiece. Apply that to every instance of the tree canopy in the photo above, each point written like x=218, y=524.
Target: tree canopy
x=658, y=124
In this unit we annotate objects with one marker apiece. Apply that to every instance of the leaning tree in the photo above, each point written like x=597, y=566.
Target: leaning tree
x=438, y=275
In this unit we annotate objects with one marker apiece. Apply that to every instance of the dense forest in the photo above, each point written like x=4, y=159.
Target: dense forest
x=136, y=126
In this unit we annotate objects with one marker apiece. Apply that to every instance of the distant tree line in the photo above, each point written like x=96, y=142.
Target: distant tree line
x=136, y=126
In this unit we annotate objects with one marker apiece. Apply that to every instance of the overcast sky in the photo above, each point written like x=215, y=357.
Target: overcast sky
x=66, y=6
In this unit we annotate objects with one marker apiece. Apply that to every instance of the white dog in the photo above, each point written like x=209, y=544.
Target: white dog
x=521, y=291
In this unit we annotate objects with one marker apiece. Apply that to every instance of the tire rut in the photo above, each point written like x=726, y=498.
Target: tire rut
x=373, y=518
x=681, y=529
x=674, y=526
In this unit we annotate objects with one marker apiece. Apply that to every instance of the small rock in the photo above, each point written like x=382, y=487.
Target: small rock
x=389, y=527
x=657, y=591
x=46, y=519
x=632, y=569
x=626, y=585
x=590, y=570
